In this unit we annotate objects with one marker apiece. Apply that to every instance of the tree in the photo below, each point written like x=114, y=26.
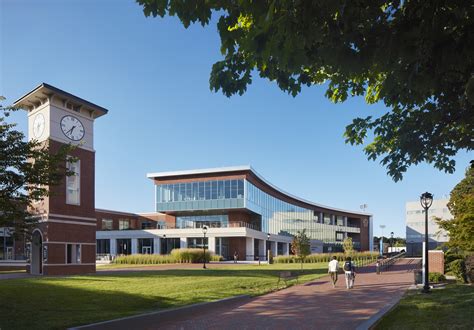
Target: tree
x=417, y=57
x=26, y=171
x=348, y=246
x=461, y=206
x=301, y=246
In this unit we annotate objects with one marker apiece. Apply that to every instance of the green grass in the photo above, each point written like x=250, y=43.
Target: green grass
x=449, y=308
x=61, y=302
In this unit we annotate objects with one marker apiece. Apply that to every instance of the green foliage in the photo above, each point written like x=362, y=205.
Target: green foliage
x=348, y=246
x=415, y=57
x=461, y=206
x=458, y=268
x=436, y=277
x=359, y=258
x=300, y=246
x=27, y=168
x=176, y=256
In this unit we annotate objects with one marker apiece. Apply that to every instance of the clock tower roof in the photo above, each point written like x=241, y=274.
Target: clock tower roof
x=45, y=91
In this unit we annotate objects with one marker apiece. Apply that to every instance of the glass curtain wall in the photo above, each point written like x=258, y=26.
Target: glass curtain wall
x=213, y=194
x=283, y=218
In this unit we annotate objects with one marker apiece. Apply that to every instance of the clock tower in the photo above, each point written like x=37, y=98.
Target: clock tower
x=64, y=241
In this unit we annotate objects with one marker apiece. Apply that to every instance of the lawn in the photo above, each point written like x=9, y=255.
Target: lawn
x=449, y=308
x=61, y=302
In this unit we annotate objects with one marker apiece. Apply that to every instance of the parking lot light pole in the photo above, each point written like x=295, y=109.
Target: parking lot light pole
x=204, y=231
x=426, y=199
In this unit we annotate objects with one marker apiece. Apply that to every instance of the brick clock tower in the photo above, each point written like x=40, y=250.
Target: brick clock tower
x=64, y=241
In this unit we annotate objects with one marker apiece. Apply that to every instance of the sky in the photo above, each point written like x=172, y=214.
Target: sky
x=153, y=76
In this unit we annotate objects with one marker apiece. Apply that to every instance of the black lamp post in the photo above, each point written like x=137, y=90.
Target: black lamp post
x=164, y=245
x=204, y=231
x=391, y=242
x=426, y=200
x=266, y=247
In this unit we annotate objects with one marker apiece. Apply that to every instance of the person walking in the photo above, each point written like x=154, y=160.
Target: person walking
x=236, y=257
x=333, y=268
x=349, y=273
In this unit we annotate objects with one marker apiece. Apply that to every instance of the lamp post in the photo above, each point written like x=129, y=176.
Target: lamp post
x=381, y=240
x=426, y=199
x=165, y=245
x=268, y=251
x=391, y=242
x=204, y=231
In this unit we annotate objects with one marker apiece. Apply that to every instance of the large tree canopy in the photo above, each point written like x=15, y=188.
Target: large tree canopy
x=417, y=57
x=27, y=168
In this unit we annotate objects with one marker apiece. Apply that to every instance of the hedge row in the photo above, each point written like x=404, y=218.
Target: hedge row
x=176, y=256
x=360, y=258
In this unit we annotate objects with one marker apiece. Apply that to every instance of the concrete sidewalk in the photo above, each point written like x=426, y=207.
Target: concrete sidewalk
x=314, y=305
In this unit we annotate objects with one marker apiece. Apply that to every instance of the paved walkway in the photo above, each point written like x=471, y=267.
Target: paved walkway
x=314, y=305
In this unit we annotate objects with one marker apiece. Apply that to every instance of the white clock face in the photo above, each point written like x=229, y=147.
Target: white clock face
x=38, y=125
x=72, y=128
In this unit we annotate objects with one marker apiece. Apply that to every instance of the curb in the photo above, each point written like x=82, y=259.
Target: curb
x=134, y=322
x=374, y=319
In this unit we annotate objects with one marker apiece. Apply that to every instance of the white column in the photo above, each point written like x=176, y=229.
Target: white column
x=183, y=243
x=261, y=249
x=212, y=245
x=113, y=247
x=321, y=219
x=156, y=245
x=135, y=246
x=286, y=249
x=249, y=250
x=273, y=247
x=345, y=221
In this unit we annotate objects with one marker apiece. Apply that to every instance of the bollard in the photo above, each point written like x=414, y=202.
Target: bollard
x=377, y=267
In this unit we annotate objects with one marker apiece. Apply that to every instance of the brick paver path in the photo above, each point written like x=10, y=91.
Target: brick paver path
x=313, y=305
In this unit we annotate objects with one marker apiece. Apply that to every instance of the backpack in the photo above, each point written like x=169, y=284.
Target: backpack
x=347, y=266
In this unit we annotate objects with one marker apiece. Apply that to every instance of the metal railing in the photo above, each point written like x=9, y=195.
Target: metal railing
x=384, y=264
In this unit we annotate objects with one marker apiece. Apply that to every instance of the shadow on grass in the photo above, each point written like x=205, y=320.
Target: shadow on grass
x=44, y=304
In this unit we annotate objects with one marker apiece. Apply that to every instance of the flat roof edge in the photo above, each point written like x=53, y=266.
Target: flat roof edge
x=248, y=168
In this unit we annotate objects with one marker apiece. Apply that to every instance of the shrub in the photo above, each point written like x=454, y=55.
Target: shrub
x=436, y=277
x=470, y=268
x=458, y=268
x=176, y=256
x=359, y=258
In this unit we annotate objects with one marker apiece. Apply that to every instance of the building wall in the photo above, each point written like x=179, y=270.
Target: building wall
x=415, y=222
x=238, y=244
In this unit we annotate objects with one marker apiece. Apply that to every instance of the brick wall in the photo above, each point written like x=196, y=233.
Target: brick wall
x=436, y=261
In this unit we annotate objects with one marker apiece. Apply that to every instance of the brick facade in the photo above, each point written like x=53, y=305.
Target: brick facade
x=436, y=261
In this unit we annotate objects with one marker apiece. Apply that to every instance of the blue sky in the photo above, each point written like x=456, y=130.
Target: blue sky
x=152, y=75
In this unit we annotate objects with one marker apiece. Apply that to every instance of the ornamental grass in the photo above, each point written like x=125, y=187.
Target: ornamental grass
x=176, y=256
x=359, y=258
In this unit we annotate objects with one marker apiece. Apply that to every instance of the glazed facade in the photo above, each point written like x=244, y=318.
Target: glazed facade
x=206, y=197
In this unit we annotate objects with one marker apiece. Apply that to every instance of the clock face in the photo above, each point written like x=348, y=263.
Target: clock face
x=72, y=128
x=38, y=125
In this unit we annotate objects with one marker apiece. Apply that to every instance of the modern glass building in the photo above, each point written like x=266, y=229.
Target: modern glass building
x=239, y=196
x=241, y=211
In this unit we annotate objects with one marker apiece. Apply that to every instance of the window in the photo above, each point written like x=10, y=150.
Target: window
x=73, y=183
x=148, y=224
x=103, y=246
x=73, y=253
x=107, y=224
x=124, y=224
x=339, y=236
x=340, y=220
x=124, y=246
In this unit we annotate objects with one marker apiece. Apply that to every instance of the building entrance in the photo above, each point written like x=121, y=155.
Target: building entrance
x=36, y=261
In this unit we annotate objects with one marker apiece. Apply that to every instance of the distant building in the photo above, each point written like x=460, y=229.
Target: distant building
x=415, y=225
